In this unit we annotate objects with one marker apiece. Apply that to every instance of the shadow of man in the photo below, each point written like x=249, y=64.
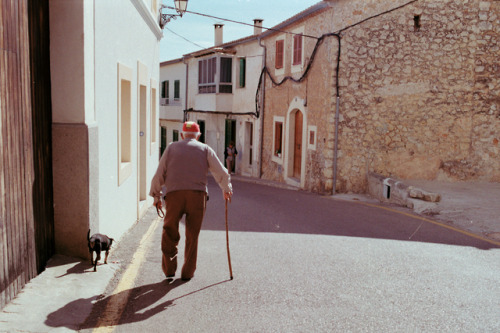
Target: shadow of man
x=136, y=300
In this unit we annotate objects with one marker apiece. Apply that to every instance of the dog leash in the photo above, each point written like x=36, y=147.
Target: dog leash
x=160, y=212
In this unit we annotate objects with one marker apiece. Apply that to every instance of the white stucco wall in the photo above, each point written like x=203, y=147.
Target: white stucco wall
x=243, y=102
x=175, y=70
x=123, y=34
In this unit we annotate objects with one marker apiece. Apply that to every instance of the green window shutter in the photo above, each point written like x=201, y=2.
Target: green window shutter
x=163, y=89
x=242, y=72
x=167, y=89
x=177, y=89
x=163, y=140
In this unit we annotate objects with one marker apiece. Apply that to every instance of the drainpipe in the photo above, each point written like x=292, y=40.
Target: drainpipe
x=335, y=150
x=262, y=105
x=184, y=117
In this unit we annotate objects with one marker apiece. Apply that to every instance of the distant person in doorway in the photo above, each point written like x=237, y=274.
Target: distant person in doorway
x=183, y=170
x=230, y=156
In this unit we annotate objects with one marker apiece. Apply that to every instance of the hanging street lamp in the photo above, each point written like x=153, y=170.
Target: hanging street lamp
x=180, y=8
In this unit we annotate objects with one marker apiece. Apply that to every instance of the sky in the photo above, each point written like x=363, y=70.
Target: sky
x=192, y=32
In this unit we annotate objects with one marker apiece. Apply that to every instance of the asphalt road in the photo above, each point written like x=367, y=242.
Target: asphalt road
x=303, y=262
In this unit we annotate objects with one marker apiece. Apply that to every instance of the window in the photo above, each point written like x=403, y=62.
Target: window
x=201, y=123
x=242, y=72
x=164, y=89
x=278, y=134
x=206, y=76
x=208, y=80
x=124, y=123
x=226, y=66
x=297, y=49
x=249, y=139
x=163, y=143
x=280, y=47
x=175, y=136
x=164, y=93
x=416, y=22
x=311, y=143
x=278, y=123
x=177, y=90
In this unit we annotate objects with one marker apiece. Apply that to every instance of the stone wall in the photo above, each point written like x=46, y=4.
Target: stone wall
x=421, y=102
x=315, y=95
x=419, y=93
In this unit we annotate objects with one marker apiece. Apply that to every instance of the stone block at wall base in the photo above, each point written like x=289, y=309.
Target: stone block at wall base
x=391, y=190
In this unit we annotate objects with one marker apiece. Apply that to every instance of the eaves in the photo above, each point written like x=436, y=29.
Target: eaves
x=313, y=10
x=226, y=48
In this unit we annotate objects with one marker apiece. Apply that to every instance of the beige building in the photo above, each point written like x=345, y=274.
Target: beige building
x=418, y=93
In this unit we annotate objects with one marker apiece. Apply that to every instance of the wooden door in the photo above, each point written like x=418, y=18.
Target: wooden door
x=297, y=150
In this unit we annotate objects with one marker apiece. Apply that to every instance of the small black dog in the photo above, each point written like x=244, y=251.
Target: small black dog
x=98, y=243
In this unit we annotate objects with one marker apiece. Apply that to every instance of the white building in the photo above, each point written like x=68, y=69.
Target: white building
x=172, y=100
x=105, y=74
x=220, y=92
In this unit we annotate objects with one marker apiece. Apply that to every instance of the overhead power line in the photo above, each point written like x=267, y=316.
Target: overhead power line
x=187, y=40
x=244, y=23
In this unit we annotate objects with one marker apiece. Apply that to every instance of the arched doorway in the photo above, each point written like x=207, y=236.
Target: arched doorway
x=295, y=143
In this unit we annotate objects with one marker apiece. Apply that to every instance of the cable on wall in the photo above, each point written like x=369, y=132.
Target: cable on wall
x=338, y=35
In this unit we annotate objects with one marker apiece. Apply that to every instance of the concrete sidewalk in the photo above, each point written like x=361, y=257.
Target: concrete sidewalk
x=469, y=206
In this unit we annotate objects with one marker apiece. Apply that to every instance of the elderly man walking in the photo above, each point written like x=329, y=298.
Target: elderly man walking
x=183, y=170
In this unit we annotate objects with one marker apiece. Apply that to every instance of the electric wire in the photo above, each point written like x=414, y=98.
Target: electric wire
x=187, y=40
x=319, y=41
x=338, y=35
x=244, y=23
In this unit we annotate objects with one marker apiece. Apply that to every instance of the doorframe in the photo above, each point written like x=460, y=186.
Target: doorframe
x=230, y=134
x=142, y=141
x=297, y=104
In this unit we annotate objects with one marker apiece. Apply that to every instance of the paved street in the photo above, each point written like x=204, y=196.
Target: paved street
x=307, y=263
x=301, y=262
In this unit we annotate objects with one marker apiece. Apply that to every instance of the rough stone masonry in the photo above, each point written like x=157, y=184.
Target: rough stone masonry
x=420, y=94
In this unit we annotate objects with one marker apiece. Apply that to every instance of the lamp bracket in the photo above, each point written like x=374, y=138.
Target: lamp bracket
x=165, y=17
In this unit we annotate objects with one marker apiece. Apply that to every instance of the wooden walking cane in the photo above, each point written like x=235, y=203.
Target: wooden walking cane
x=227, y=243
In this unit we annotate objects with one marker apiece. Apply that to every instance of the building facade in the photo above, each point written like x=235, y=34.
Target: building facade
x=219, y=86
x=104, y=78
x=87, y=146
x=298, y=106
x=412, y=93
x=172, y=100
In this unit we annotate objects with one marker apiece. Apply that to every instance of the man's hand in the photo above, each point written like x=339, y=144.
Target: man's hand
x=159, y=210
x=228, y=195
